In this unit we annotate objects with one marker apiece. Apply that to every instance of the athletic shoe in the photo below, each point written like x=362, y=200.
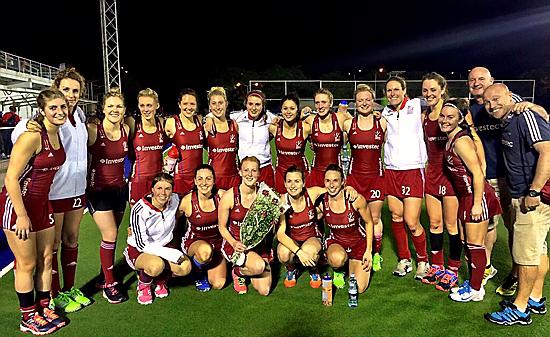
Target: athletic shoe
x=466, y=293
x=161, y=289
x=377, y=260
x=113, y=294
x=239, y=283
x=456, y=288
x=54, y=318
x=144, y=294
x=434, y=274
x=537, y=307
x=488, y=274
x=79, y=297
x=37, y=325
x=290, y=279
x=202, y=284
x=403, y=267
x=65, y=303
x=422, y=269
x=338, y=279
x=508, y=287
x=448, y=281
x=315, y=280
x=510, y=315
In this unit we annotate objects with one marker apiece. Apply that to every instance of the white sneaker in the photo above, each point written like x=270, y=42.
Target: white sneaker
x=403, y=267
x=422, y=269
x=466, y=293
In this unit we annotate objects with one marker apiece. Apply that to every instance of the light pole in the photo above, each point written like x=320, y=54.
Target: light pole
x=380, y=70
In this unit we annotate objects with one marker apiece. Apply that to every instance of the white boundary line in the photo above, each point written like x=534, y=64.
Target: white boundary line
x=6, y=269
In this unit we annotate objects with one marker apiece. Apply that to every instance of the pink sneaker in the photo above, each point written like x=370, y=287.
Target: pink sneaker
x=239, y=283
x=161, y=290
x=144, y=295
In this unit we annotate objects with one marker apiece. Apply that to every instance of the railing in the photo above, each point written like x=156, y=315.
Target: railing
x=26, y=66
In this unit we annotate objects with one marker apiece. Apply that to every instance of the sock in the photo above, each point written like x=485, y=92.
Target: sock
x=377, y=243
x=42, y=300
x=455, y=251
x=237, y=271
x=290, y=267
x=535, y=299
x=421, y=247
x=144, y=278
x=69, y=257
x=401, y=240
x=477, y=262
x=488, y=266
x=26, y=304
x=164, y=276
x=436, y=245
x=107, y=258
x=198, y=264
x=56, y=287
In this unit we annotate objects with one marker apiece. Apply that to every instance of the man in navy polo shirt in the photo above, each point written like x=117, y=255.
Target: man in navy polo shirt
x=526, y=149
x=488, y=130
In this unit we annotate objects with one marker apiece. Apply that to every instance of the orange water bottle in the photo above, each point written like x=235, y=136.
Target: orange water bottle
x=327, y=290
x=171, y=159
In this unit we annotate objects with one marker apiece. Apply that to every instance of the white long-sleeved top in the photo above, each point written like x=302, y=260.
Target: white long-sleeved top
x=254, y=136
x=404, y=148
x=151, y=229
x=70, y=180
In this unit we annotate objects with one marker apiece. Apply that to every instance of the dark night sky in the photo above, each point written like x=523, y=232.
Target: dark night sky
x=168, y=46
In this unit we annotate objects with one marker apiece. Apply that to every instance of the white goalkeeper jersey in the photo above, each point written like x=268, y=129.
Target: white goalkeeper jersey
x=151, y=227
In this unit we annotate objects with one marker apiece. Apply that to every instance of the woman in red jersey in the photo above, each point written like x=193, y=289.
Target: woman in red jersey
x=222, y=140
x=27, y=216
x=477, y=202
x=290, y=135
x=298, y=233
x=202, y=241
x=327, y=137
x=108, y=146
x=147, y=141
x=366, y=133
x=231, y=212
x=186, y=132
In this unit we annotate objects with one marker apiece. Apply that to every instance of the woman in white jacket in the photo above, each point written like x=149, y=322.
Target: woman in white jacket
x=151, y=250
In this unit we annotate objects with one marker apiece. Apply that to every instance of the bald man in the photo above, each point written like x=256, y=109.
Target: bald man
x=488, y=130
x=526, y=149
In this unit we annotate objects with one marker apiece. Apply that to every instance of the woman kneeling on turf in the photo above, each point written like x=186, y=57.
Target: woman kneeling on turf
x=298, y=232
x=202, y=240
x=150, y=247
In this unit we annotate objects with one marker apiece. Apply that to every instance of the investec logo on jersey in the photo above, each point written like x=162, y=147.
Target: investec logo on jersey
x=149, y=148
x=487, y=127
x=366, y=146
x=438, y=139
x=223, y=150
x=55, y=168
x=191, y=147
x=507, y=143
x=111, y=161
x=288, y=153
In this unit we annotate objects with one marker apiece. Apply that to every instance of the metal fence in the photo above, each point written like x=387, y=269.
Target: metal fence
x=26, y=66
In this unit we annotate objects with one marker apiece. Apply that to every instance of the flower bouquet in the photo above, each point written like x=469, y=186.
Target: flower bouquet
x=261, y=218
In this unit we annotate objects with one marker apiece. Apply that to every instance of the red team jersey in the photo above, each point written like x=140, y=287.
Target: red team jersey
x=302, y=225
x=107, y=164
x=326, y=150
x=148, y=159
x=35, y=183
x=438, y=183
x=366, y=168
x=290, y=151
x=345, y=229
x=222, y=152
x=202, y=225
x=236, y=218
x=462, y=181
x=190, y=145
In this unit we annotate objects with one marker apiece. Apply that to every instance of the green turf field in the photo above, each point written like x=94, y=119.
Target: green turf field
x=390, y=307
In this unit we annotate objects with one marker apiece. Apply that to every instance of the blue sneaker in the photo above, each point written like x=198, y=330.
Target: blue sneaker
x=510, y=315
x=466, y=293
x=537, y=307
x=290, y=279
x=202, y=284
